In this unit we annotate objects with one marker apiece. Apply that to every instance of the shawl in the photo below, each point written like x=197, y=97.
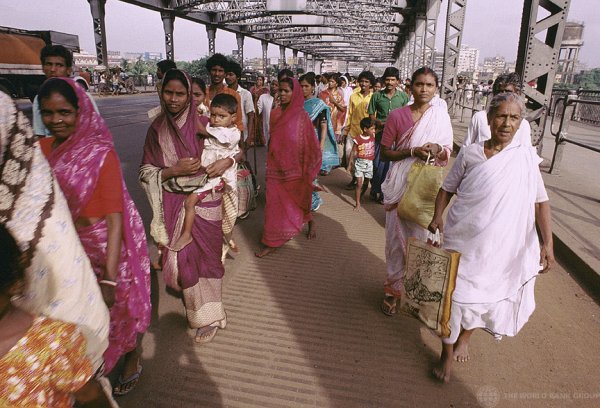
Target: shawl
x=433, y=127
x=314, y=107
x=76, y=164
x=294, y=152
x=60, y=281
x=492, y=224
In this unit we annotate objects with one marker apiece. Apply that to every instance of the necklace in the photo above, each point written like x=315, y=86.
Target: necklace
x=494, y=148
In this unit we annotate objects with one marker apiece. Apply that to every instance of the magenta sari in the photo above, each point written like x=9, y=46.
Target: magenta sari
x=293, y=161
x=197, y=269
x=76, y=164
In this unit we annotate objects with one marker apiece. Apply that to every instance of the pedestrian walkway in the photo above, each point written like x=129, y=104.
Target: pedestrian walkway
x=574, y=196
x=305, y=330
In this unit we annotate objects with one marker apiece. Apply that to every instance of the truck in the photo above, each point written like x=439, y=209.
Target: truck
x=20, y=67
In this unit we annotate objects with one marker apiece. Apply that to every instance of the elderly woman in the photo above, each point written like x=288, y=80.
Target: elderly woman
x=492, y=223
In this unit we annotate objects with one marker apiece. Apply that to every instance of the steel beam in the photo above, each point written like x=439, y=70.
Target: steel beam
x=240, y=48
x=420, y=34
x=265, y=58
x=455, y=20
x=539, y=47
x=168, y=19
x=98, y=13
x=281, y=57
x=211, y=32
x=433, y=12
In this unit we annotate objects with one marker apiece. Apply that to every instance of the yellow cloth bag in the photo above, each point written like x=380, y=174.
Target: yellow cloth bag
x=422, y=185
x=429, y=281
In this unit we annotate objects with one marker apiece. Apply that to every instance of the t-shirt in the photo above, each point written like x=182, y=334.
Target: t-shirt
x=44, y=367
x=365, y=147
x=381, y=106
x=107, y=197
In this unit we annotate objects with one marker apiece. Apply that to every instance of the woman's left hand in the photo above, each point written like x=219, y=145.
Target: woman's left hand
x=433, y=148
x=421, y=153
x=547, y=260
x=219, y=167
x=108, y=294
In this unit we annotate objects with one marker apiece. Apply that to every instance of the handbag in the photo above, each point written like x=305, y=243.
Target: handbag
x=422, y=185
x=429, y=281
x=246, y=189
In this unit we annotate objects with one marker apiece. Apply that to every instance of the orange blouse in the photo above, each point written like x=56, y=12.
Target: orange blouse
x=107, y=198
x=44, y=367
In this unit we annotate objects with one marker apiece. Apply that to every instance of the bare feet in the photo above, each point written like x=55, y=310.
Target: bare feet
x=184, y=240
x=443, y=369
x=312, y=230
x=233, y=246
x=265, y=251
x=461, y=348
x=357, y=208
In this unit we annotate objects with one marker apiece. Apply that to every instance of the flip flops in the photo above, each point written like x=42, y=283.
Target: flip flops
x=126, y=385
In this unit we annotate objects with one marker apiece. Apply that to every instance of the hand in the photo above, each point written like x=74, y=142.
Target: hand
x=217, y=168
x=108, y=294
x=436, y=224
x=433, y=148
x=186, y=167
x=420, y=153
x=547, y=260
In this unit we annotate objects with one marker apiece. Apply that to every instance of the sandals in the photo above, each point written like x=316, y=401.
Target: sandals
x=126, y=385
x=389, y=305
x=205, y=334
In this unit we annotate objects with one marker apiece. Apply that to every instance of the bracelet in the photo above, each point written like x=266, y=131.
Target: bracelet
x=108, y=282
x=234, y=161
x=412, y=152
x=441, y=148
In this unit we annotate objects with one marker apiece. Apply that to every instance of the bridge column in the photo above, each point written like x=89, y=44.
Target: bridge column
x=168, y=19
x=281, y=56
x=265, y=58
x=295, y=59
x=211, y=32
x=240, y=48
x=420, y=31
x=433, y=12
x=97, y=8
x=320, y=66
x=347, y=67
x=455, y=20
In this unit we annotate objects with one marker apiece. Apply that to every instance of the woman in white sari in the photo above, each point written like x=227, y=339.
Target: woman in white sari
x=492, y=223
x=411, y=133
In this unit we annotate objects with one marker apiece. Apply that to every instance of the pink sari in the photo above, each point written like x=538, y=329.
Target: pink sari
x=337, y=116
x=76, y=164
x=293, y=161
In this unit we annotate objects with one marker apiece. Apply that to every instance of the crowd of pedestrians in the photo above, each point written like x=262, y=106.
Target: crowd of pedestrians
x=75, y=270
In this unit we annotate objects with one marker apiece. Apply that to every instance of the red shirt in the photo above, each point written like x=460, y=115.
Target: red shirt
x=107, y=198
x=365, y=147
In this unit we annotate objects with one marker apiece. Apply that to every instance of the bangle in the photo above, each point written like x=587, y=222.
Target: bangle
x=234, y=161
x=412, y=152
x=108, y=282
x=441, y=148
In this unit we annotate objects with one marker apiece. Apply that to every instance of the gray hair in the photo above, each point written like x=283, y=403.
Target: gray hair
x=509, y=97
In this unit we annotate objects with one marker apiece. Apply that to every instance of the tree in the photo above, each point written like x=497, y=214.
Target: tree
x=590, y=80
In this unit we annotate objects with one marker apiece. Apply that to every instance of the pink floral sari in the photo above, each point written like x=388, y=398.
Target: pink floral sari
x=76, y=164
x=293, y=161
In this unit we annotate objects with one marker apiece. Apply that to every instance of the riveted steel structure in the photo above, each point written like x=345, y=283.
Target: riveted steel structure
x=455, y=21
x=542, y=30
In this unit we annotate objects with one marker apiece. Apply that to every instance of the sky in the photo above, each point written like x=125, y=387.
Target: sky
x=490, y=25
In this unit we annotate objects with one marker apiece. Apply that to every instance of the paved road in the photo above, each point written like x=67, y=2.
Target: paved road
x=305, y=329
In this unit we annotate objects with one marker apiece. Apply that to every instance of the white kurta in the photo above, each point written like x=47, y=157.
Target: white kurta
x=492, y=224
x=223, y=144
x=264, y=106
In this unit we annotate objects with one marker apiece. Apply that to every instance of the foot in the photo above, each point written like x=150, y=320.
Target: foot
x=183, y=241
x=442, y=370
x=205, y=334
x=357, y=208
x=126, y=384
x=389, y=305
x=265, y=251
x=461, y=351
x=233, y=246
x=312, y=230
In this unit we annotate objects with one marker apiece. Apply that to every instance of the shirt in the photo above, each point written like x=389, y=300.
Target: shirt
x=381, y=106
x=365, y=147
x=358, y=109
x=246, y=108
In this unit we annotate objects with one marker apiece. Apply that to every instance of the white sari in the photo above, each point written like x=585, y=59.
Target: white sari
x=492, y=224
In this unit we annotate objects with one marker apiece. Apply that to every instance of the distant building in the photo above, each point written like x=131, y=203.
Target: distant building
x=495, y=65
x=570, y=46
x=153, y=56
x=84, y=59
x=438, y=63
x=468, y=59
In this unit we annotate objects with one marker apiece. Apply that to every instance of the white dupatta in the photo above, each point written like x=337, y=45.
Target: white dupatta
x=433, y=127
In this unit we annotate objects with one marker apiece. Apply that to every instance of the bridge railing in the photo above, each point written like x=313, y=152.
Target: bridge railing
x=583, y=113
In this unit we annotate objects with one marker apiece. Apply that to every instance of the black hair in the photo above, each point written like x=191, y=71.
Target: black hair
x=234, y=67
x=424, y=71
x=309, y=77
x=175, y=74
x=225, y=101
x=200, y=82
x=368, y=75
x=285, y=73
x=57, y=51
x=216, y=60
x=391, y=72
x=166, y=65
x=380, y=80
x=366, y=123
x=506, y=79
x=11, y=260
x=60, y=86
x=288, y=81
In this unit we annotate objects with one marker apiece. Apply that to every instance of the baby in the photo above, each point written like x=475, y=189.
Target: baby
x=222, y=142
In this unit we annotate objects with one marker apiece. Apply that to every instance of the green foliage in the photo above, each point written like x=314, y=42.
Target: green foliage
x=196, y=68
x=139, y=67
x=590, y=80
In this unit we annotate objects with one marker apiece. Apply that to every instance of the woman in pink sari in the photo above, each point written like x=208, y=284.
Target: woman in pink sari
x=82, y=155
x=170, y=171
x=333, y=96
x=293, y=161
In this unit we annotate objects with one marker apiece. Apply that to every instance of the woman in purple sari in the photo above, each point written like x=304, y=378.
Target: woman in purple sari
x=170, y=171
x=82, y=155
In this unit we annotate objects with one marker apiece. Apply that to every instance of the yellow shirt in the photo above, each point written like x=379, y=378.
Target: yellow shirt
x=357, y=111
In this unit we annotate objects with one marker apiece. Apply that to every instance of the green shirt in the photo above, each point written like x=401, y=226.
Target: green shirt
x=381, y=106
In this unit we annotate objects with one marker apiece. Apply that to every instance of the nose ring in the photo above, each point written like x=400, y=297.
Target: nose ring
x=60, y=121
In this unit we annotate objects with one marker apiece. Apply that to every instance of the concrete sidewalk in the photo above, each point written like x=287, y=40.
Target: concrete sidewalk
x=305, y=330
x=574, y=196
